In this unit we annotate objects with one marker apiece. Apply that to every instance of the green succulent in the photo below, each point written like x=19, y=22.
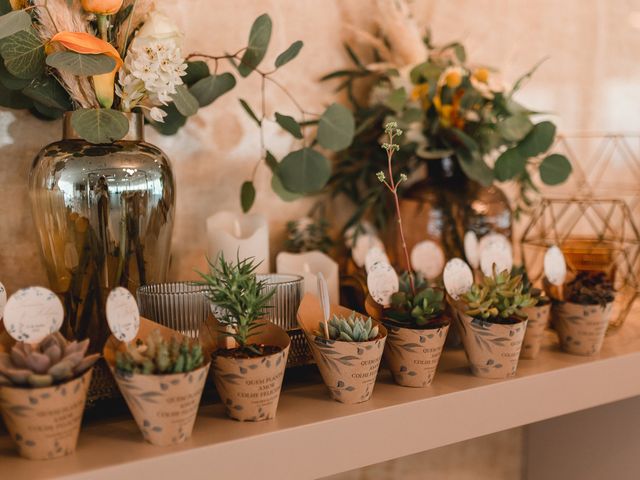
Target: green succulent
x=527, y=286
x=590, y=288
x=157, y=355
x=498, y=298
x=352, y=329
x=308, y=234
x=419, y=310
x=53, y=361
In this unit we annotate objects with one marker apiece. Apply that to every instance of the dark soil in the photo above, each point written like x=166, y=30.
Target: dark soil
x=432, y=325
x=254, y=350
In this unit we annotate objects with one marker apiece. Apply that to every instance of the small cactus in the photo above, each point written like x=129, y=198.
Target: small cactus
x=352, y=329
x=158, y=356
x=53, y=361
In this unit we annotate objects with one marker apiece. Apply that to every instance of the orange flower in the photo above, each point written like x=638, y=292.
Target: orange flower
x=102, y=7
x=89, y=45
x=482, y=75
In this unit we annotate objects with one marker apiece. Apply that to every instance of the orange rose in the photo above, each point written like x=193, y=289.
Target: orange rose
x=102, y=7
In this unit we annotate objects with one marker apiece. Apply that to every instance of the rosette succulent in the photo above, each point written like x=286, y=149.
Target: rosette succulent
x=157, y=355
x=527, y=287
x=53, y=361
x=351, y=329
x=590, y=288
x=418, y=310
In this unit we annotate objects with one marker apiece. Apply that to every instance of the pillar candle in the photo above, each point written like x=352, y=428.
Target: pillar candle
x=308, y=264
x=238, y=235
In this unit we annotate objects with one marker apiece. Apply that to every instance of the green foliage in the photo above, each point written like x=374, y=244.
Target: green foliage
x=527, y=287
x=590, y=288
x=23, y=54
x=351, y=329
x=51, y=362
x=48, y=92
x=196, y=71
x=81, y=65
x=186, y=103
x=247, y=108
x=510, y=164
x=416, y=311
x=336, y=128
x=157, y=356
x=289, y=54
x=212, y=87
x=100, y=125
x=555, y=169
x=304, y=171
x=289, y=124
x=307, y=234
x=248, y=195
x=14, y=22
x=257, y=47
x=235, y=289
x=498, y=299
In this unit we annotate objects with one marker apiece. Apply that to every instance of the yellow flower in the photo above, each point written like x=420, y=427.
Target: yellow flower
x=419, y=91
x=446, y=113
x=453, y=79
x=482, y=75
x=102, y=7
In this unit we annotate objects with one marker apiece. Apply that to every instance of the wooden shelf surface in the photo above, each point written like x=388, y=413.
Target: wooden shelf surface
x=313, y=436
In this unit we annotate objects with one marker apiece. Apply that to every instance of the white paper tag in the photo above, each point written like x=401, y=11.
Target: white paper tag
x=382, y=282
x=3, y=299
x=123, y=315
x=498, y=254
x=471, y=249
x=33, y=313
x=491, y=239
x=363, y=228
x=427, y=258
x=375, y=255
x=457, y=277
x=555, y=266
x=364, y=243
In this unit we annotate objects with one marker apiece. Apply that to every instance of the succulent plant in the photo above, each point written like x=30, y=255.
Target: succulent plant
x=352, y=329
x=527, y=287
x=157, y=355
x=498, y=298
x=419, y=310
x=53, y=361
x=590, y=288
x=308, y=234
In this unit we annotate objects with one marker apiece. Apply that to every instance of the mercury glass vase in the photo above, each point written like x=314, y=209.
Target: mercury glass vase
x=104, y=216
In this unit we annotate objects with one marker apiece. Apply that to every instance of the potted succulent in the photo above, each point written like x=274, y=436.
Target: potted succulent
x=346, y=346
x=249, y=355
x=492, y=324
x=43, y=389
x=161, y=375
x=537, y=316
x=582, y=317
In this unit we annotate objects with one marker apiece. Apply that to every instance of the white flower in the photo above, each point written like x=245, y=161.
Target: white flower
x=130, y=89
x=159, y=27
x=157, y=114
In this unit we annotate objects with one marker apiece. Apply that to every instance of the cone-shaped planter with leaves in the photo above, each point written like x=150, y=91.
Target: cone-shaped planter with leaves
x=164, y=404
x=537, y=321
x=43, y=390
x=348, y=368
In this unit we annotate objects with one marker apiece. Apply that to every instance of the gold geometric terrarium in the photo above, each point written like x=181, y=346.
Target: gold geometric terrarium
x=594, y=234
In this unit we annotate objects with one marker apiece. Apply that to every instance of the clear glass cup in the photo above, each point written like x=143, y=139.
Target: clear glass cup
x=283, y=306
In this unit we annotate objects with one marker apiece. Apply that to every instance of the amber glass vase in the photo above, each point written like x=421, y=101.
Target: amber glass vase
x=446, y=204
x=104, y=216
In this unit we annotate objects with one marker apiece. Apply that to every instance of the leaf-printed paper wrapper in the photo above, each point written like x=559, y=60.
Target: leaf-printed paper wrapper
x=248, y=387
x=349, y=369
x=164, y=406
x=581, y=328
x=537, y=321
x=45, y=422
x=492, y=349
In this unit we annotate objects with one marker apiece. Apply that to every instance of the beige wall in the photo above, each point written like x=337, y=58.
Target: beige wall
x=590, y=82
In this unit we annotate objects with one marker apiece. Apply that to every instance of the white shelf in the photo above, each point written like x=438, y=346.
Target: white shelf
x=314, y=436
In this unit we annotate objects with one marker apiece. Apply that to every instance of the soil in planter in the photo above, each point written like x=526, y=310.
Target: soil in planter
x=433, y=325
x=254, y=350
x=500, y=321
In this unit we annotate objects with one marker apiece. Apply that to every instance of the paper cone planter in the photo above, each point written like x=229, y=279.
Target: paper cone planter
x=492, y=349
x=45, y=422
x=581, y=328
x=537, y=321
x=164, y=406
x=413, y=355
x=250, y=387
x=349, y=369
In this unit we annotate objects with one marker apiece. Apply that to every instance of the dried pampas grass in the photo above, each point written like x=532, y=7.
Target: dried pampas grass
x=141, y=9
x=401, y=31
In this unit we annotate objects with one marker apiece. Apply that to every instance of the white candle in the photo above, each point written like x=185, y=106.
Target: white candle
x=239, y=236
x=308, y=265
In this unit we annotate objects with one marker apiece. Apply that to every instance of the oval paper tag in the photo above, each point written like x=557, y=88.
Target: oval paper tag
x=375, y=255
x=471, y=249
x=382, y=282
x=457, y=277
x=428, y=259
x=364, y=243
x=498, y=254
x=33, y=313
x=555, y=266
x=491, y=239
x=3, y=299
x=123, y=315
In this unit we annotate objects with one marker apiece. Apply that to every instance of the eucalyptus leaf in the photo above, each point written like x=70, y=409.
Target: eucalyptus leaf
x=304, y=171
x=247, y=108
x=284, y=194
x=23, y=54
x=397, y=100
x=259, y=37
x=185, y=102
x=247, y=196
x=289, y=124
x=509, y=164
x=538, y=140
x=173, y=122
x=14, y=22
x=46, y=113
x=100, y=125
x=196, y=71
x=335, y=128
x=289, y=54
x=555, y=169
x=14, y=99
x=272, y=162
x=83, y=65
x=208, y=89
x=475, y=168
x=11, y=82
x=49, y=93
x=515, y=128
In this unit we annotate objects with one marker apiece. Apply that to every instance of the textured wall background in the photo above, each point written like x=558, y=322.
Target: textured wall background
x=589, y=82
